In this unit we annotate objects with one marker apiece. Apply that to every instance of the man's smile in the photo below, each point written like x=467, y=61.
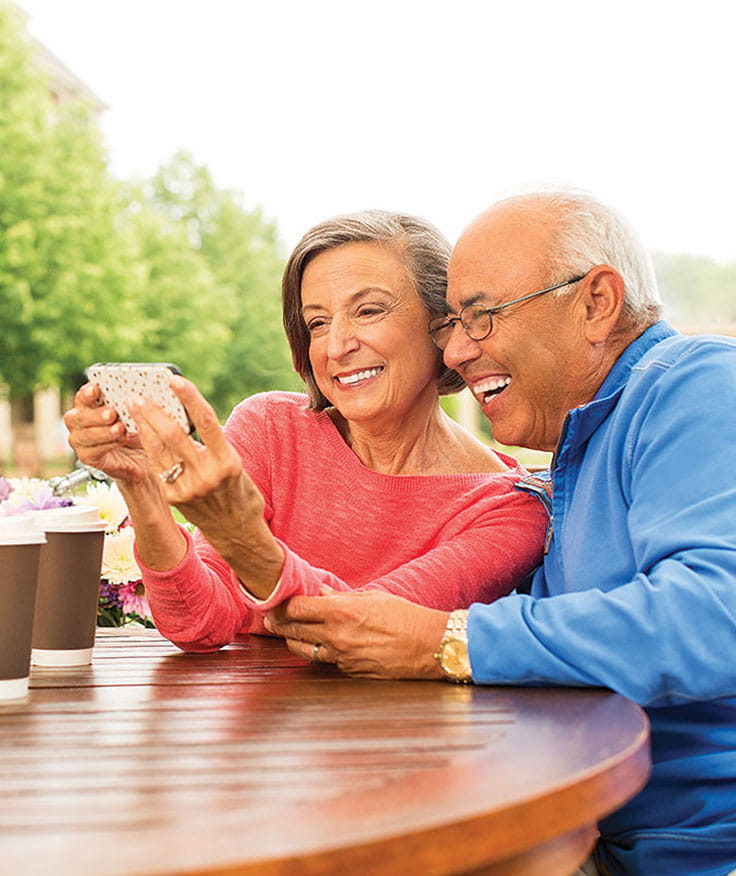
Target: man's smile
x=484, y=390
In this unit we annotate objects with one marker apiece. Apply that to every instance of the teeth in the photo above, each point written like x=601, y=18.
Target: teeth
x=359, y=375
x=492, y=385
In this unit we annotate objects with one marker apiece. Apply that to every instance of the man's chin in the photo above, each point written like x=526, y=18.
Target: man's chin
x=509, y=434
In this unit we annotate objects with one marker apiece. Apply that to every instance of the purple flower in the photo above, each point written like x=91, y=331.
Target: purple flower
x=6, y=488
x=109, y=595
x=31, y=494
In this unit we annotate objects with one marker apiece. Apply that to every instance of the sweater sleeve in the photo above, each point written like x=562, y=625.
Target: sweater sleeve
x=198, y=605
x=668, y=634
x=484, y=559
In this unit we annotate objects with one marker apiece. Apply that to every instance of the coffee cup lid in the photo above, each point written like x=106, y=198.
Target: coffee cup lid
x=20, y=529
x=72, y=518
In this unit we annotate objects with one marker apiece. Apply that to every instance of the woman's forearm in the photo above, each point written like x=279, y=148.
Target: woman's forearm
x=240, y=534
x=159, y=541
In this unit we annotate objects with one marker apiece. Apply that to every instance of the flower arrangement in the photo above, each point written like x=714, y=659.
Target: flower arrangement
x=122, y=593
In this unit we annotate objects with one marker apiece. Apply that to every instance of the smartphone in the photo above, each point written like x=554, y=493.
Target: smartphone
x=121, y=381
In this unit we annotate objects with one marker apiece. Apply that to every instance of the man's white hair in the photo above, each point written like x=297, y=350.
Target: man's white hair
x=589, y=232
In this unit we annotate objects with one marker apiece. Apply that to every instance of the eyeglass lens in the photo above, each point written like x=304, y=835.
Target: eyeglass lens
x=476, y=321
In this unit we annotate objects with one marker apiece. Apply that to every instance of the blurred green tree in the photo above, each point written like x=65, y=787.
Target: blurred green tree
x=62, y=266
x=91, y=269
x=241, y=251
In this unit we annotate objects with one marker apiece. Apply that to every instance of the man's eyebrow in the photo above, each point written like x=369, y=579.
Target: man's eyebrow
x=472, y=299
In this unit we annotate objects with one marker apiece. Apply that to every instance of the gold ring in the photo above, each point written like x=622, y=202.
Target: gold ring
x=315, y=653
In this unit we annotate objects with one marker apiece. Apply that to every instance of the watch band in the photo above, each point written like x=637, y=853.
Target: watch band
x=452, y=653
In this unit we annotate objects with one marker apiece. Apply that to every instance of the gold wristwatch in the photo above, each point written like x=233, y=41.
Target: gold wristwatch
x=452, y=654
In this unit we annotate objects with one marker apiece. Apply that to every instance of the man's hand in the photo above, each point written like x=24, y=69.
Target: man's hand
x=370, y=634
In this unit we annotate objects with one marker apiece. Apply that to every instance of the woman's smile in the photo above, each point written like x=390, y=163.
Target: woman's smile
x=352, y=378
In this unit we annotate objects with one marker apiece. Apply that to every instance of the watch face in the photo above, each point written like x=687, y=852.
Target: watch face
x=455, y=660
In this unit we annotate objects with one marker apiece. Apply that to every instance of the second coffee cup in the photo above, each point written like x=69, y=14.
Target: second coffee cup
x=68, y=585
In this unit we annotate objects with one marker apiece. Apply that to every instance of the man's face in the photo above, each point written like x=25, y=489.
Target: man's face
x=536, y=364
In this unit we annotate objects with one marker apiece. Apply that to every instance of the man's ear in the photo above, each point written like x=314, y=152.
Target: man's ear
x=603, y=299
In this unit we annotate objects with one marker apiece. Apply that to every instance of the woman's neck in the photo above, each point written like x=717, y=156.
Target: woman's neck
x=425, y=442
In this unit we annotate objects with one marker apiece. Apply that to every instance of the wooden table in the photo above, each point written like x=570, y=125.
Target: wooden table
x=251, y=761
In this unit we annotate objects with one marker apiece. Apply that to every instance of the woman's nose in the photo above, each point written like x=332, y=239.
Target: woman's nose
x=342, y=338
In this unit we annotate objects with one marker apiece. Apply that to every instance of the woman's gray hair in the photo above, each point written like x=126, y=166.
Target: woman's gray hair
x=423, y=250
x=588, y=233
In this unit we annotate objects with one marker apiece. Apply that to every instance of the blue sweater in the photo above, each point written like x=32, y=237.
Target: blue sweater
x=642, y=567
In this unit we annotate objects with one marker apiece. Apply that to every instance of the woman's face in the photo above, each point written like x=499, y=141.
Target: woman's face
x=369, y=349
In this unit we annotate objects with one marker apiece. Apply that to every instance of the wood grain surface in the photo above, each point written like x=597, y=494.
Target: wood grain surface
x=249, y=761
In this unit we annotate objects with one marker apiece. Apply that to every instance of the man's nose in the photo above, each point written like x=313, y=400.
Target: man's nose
x=460, y=348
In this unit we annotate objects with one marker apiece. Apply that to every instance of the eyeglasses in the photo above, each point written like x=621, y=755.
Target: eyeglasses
x=477, y=321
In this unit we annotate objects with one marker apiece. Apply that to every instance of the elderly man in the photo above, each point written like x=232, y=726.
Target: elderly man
x=554, y=324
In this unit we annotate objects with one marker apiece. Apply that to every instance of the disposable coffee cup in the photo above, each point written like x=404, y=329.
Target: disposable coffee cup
x=68, y=585
x=20, y=551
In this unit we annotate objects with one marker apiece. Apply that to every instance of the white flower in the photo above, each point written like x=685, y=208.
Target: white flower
x=109, y=502
x=118, y=561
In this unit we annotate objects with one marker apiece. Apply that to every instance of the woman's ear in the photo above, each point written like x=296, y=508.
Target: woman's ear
x=604, y=299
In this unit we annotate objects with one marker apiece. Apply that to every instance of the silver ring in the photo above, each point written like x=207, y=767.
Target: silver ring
x=315, y=653
x=172, y=473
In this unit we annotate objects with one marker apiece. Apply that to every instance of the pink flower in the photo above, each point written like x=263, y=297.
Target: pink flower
x=133, y=596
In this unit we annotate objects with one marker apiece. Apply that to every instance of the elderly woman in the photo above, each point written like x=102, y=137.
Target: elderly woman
x=364, y=483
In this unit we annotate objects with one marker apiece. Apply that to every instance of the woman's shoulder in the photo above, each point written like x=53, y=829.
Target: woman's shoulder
x=272, y=405
x=472, y=454
x=270, y=421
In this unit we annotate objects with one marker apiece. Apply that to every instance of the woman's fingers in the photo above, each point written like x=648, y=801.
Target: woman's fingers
x=191, y=468
x=92, y=425
x=201, y=413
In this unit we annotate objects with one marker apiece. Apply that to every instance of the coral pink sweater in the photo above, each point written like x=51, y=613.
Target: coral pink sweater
x=442, y=541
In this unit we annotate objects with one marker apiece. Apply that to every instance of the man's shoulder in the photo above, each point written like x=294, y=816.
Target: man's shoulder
x=678, y=348
x=697, y=373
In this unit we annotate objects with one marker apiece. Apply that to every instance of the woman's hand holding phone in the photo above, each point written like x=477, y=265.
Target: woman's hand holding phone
x=100, y=439
x=101, y=431
x=160, y=464
x=207, y=483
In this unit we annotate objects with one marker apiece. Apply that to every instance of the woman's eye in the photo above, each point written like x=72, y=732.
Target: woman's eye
x=370, y=311
x=316, y=326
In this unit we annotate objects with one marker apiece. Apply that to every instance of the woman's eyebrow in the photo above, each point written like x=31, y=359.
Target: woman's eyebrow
x=356, y=296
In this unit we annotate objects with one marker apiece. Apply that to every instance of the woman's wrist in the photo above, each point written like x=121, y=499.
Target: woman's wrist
x=160, y=543
x=256, y=558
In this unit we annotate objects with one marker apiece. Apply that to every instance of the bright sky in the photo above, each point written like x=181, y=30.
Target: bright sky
x=315, y=107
